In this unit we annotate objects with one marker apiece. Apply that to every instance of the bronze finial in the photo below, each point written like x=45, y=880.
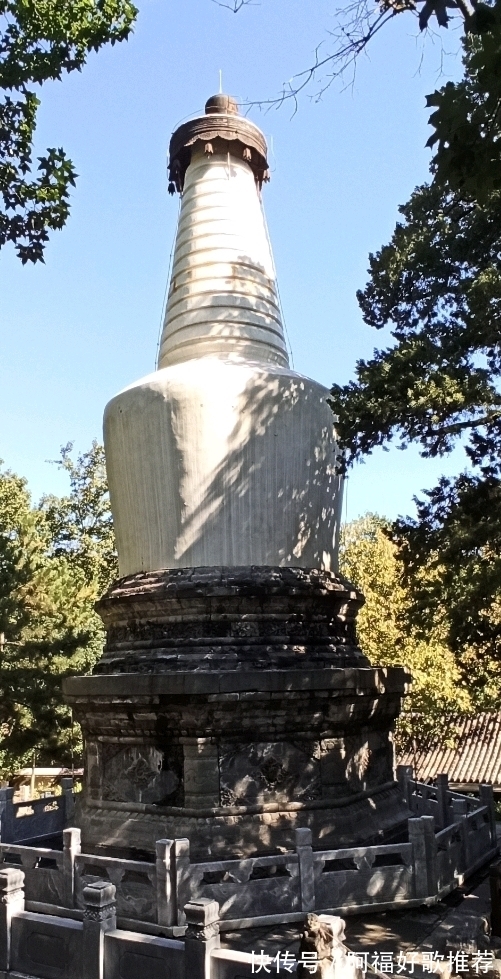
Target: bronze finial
x=221, y=104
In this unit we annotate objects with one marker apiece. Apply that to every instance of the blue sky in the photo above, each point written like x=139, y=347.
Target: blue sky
x=79, y=328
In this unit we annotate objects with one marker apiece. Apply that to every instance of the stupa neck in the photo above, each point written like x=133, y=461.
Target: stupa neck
x=222, y=298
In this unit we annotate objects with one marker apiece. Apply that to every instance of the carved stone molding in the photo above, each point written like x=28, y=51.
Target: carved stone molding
x=229, y=618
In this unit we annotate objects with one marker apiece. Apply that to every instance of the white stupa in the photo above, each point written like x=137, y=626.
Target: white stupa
x=224, y=455
x=232, y=707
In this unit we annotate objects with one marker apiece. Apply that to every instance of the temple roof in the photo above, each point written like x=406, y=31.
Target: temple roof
x=470, y=754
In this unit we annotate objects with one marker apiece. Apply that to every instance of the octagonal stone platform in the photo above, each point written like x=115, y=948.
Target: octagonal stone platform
x=232, y=706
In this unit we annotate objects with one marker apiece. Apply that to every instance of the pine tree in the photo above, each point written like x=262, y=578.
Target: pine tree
x=55, y=560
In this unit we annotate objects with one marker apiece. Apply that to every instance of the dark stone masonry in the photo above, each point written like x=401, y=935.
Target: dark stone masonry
x=232, y=706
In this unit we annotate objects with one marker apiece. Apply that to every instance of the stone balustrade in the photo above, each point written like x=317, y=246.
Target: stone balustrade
x=41, y=946
x=35, y=819
x=151, y=896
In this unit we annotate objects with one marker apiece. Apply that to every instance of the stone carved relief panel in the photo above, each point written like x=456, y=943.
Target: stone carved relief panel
x=142, y=773
x=382, y=757
x=257, y=773
x=355, y=762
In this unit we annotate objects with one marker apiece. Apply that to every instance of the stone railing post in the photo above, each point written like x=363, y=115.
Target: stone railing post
x=11, y=901
x=201, y=938
x=424, y=855
x=305, y=861
x=486, y=796
x=71, y=849
x=182, y=877
x=69, y=802
x=405, y=773
x=100, y=916
x=442, y=783
x=460, y=816
x=166, y=882
x=6, y=815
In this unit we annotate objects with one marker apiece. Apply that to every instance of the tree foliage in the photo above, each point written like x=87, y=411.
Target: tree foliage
x=80, y=524
x=437, y=285
x=41, y=40
x=387, y=630
x=451, y=558
x=467, y=116
x=55, y=560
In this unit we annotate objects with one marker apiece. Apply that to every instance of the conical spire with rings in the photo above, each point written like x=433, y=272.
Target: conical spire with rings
x=222, y=298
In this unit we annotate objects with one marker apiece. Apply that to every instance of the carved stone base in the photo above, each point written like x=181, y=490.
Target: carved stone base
x=232, y=716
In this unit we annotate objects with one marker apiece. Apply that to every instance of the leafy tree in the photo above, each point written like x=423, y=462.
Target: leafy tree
x=81, y=525
x=42, y=40
x=437, y=284
x=467, y=117
x=451, y=558
x=387, y=632
x=21, y=549
x=55, y=561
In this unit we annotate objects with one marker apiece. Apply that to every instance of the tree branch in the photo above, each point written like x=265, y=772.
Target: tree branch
x=466, y=9
x=236, y=5
x=362, y=22
x=357, y=23
x=456, y=427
